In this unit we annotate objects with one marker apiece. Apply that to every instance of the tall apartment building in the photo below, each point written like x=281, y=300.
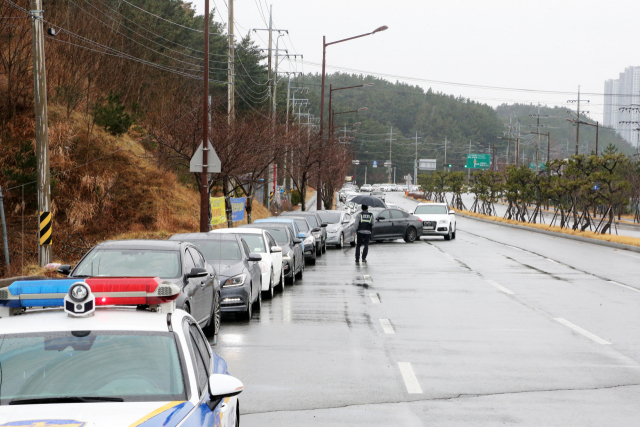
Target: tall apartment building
x=623, y=92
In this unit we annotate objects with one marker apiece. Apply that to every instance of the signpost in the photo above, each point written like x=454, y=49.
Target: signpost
x=427, y=164
x=478, y=161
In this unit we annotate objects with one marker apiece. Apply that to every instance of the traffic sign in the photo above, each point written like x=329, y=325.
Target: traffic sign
x=355, y=162
x=375, y=164
x=478, y=161
x=541, y=166
x=214, y=165
x=596, y=187
x=427, y=164
x=387, y=163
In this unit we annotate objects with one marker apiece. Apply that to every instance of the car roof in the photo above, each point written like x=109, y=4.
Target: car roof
x=432, y=204
x=237, y=231
x=264, y=225
x=165, y=245
x=276, y=219
x=187, y=237
x=300, y=214
x=104, y=319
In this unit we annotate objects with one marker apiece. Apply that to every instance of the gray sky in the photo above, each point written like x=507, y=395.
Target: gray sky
x=546, y=45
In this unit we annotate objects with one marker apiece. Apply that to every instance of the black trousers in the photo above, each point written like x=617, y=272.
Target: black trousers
x=363, y=239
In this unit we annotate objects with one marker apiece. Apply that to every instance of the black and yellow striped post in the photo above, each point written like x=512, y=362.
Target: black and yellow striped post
x=45, y=228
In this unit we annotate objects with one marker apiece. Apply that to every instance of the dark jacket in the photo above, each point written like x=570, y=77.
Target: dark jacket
x=364, y=222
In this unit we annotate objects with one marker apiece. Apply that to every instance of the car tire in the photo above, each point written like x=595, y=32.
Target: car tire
x=258, y=302
x=411, y=235
x=453, y=235
x=312, y=261
x=283, y=280
x=353, y=242
x=341, y=244
x=324, y=247
x=301, y=272
x=318, y=252
x=269, y=292
x=213, y=327
x=186, y=308
x=249, y=311
x=447, y=236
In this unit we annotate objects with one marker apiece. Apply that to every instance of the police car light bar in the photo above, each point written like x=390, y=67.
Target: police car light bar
x=106, y=290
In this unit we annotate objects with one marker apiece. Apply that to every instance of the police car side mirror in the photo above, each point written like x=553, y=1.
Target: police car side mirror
x=297, y=241
x=64, y=269
x=324, y=224
x=222, y=386
x=197, y=272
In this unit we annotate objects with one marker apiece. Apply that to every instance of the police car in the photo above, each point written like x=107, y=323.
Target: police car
x=108, y=352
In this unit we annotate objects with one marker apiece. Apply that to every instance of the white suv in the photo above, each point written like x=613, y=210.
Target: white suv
x=366, y=188
x=437, y=220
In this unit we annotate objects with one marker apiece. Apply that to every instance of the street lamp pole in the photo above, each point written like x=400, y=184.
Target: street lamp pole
x=331, y=90
x=324, y=60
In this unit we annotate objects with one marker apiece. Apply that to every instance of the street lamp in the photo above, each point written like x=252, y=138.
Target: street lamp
x=331, y=90
x=324, y=58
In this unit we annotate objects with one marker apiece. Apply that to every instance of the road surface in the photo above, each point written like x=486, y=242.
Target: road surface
x=497, y=327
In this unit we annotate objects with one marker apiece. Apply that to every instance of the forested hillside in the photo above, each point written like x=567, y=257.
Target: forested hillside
x=554, y=120
x=405, y=110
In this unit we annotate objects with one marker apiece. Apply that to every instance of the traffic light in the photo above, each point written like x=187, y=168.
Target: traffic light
x=449, y=165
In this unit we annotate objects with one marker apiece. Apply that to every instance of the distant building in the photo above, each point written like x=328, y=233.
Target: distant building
x=623, y=92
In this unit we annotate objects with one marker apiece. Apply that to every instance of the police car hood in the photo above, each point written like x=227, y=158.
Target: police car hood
x=107, y=414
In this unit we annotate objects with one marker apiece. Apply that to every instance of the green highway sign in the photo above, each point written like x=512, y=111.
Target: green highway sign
x=478, y=161
x=541, y=166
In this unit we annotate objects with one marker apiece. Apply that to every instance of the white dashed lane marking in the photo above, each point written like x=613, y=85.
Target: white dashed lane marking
x=374, y=298
x=500, y=287
x=582, y=331
x=386, y=326
x=410, y=380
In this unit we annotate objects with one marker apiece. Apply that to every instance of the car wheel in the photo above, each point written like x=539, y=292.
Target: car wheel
x=213, y=326
x=453, y=235
x=318, y=252
x=448, y=235
x=249, y=312
x=324, y=247
x=341, y=245
x=186, y=308
x=411, y=235
x=312, y=261
x=353, y=242
x=282, y=279
x=301, y=272
x=258, y=302
x=269, y=292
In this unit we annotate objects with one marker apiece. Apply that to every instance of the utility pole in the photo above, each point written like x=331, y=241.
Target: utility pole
x=390, y=163
x=365, y=174
x=445, y=154
x=204, y=177
x=415, y=163
x=231, y=108
x=469, y=169
x=577, y=121
x=42, y=134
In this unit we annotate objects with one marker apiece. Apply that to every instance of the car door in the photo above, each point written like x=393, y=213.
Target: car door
x=382, y=225
x=192, y=286
x=297, y=252
x=205, y=283
x=349, y=224
x=276, y=257
x=398, y=223
x=254, y=270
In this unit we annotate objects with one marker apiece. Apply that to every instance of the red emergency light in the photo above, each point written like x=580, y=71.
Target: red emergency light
x=132, y=290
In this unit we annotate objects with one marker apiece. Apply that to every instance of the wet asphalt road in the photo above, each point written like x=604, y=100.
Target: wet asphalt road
x=497, y=327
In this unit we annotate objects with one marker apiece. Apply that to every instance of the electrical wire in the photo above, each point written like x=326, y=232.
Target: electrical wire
x=166, y=20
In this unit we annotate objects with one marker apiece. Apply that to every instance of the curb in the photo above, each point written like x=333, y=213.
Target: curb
x=553, y=233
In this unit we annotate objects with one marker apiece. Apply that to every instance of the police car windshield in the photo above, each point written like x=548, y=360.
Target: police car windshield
x=130, y=263
x=89, y=367
x=434, y=210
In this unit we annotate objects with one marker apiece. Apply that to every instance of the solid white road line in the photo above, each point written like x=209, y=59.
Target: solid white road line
x=386, y=326
x=582, y=331
x=501, y=288
x=410, y=380
x=374, y=298
x=549, y=259
x=624, y=286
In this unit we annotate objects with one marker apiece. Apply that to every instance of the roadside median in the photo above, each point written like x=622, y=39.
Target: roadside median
x=613, y=241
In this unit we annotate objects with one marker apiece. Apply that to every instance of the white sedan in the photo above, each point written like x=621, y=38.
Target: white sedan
x=437, y=220
x=262, y=242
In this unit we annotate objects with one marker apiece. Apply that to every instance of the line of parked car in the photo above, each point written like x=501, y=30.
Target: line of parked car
x=226, y=270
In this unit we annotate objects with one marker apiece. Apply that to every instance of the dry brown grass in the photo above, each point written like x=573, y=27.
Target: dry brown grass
x=625, y=240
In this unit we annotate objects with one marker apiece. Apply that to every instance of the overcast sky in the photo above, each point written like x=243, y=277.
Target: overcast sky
x=543, y=45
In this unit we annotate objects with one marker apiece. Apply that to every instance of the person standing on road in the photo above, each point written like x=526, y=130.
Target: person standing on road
x=364, y=225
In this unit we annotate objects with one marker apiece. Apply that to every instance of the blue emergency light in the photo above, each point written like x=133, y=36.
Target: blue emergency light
x=36, y=293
